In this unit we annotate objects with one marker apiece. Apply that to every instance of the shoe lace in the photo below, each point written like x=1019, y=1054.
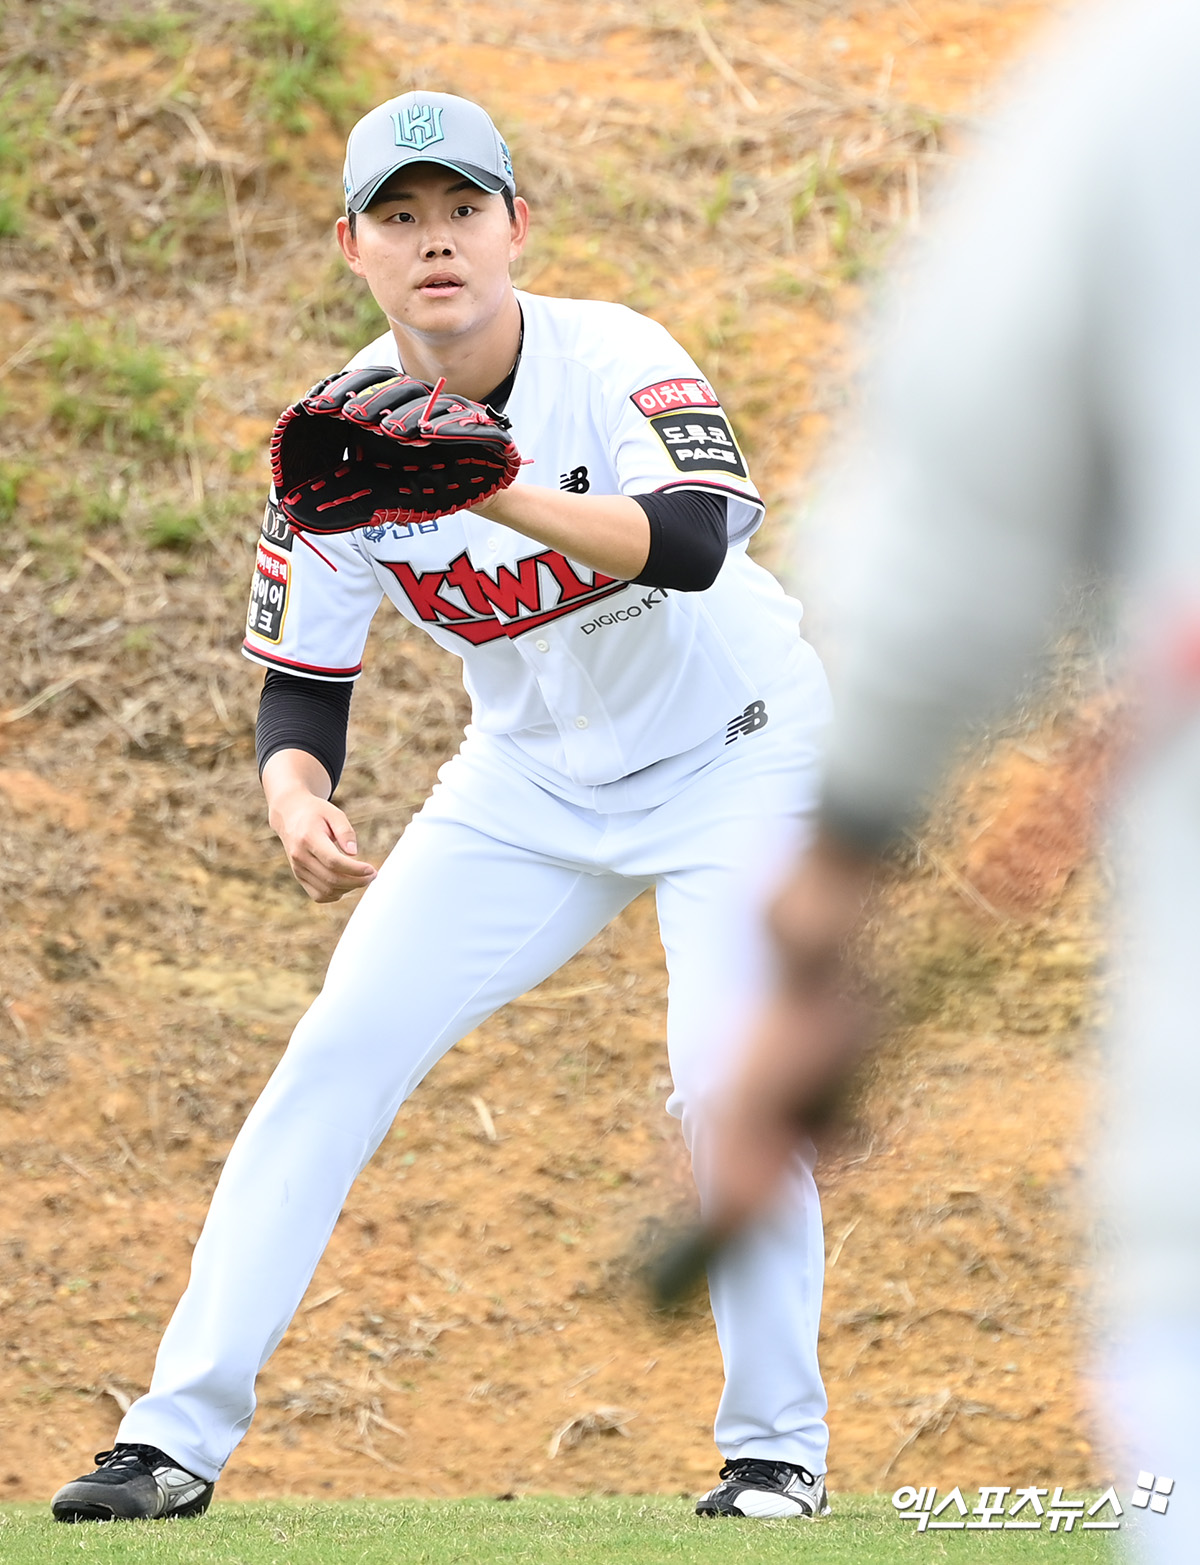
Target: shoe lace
x=131, y=1455
x=749, y=1469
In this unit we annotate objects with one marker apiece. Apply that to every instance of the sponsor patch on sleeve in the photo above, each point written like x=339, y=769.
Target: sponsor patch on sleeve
x=269, y=595
x=700, y=443
x=665, y=395
x=275, y=528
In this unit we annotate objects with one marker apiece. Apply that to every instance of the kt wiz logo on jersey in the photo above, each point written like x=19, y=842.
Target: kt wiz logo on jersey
x=480, y=607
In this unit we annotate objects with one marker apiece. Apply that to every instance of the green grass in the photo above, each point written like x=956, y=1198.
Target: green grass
x=160, y=28
x=116, y=390
x=173, y=529
x=339, y=310
x=11, y=220
x=10, y=490
x=545, y=1531
x=302, y=45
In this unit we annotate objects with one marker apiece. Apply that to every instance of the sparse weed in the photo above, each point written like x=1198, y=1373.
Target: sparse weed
x=116, y=390
x=10, y=490
x=138, y=638
x=718, y=204
x=26, y=103
x=161, y=28
x=824, y=198
x=100, y=511
x=196, y=208
x=342, y=313
x=787, y=284
x=301, y=47
x=306, y=27
x=177, y=531
x=10, y=218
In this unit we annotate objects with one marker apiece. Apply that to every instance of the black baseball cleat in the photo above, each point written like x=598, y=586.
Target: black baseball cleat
x=766, y=1489
x=132, y=1483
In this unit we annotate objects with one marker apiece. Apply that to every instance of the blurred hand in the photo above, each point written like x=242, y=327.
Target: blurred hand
x=808, y=1042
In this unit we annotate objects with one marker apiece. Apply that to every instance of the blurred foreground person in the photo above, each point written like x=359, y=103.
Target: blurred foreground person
x=1037, y=412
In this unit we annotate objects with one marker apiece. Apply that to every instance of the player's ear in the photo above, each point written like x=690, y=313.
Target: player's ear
x=519, y=227
x=347, y=240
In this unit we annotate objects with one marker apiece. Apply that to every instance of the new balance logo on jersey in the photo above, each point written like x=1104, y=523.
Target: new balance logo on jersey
x=747, y=722
x=481, y=607
x=576, y=481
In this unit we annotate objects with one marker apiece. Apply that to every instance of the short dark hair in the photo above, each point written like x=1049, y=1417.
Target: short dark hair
x=510, y=204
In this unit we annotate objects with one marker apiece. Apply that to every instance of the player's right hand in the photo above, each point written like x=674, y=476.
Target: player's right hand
x=320, y=845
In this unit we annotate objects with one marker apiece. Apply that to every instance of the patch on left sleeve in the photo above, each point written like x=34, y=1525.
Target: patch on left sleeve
x=269, y=595
x=700, y=443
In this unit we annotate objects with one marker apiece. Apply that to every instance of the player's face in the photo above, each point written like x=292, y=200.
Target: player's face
x=435, y=251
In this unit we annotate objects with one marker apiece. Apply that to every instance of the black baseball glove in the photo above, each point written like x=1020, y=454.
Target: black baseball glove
x=370, y=446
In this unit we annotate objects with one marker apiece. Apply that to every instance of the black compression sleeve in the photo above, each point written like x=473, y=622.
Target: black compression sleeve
x=295, y=713
x=689, y=538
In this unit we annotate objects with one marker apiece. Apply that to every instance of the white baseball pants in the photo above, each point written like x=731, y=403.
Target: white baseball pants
x=491, y=888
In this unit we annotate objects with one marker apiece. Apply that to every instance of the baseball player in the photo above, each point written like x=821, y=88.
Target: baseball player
x=1038, y=411
x=644, y=714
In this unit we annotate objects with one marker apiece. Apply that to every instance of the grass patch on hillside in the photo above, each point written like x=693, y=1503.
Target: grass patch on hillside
x=302, y=50
x=131, y=167
x=115, y=390
x=621, y=1530
x=135, y=149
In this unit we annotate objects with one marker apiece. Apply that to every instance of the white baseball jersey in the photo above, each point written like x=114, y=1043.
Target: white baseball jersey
x=591, y=678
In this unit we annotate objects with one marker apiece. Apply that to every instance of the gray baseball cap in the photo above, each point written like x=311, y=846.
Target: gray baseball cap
x=424, y=127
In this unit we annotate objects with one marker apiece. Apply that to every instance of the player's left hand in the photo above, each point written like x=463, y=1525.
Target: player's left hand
x=370, y=446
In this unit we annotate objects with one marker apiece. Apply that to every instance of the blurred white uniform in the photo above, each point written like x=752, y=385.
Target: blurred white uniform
x=1040, y=409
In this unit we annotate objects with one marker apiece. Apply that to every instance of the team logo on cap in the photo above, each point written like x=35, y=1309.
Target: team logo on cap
x=418, y=125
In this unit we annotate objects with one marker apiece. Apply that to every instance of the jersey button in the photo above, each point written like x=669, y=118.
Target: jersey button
x=581, y=722
x=542, y=646
x=493, y=544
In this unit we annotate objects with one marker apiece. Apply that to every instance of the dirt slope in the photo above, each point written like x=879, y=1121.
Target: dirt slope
x=736, y=176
